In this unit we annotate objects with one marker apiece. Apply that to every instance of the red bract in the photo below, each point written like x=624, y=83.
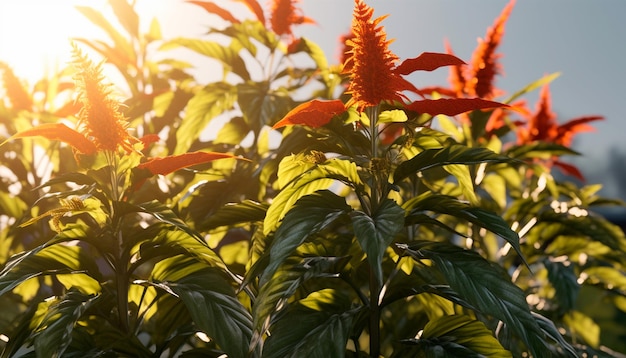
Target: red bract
x=61, y=132
x=542, y=125
x=284, y=14
x=173, y=163
x=314, y=113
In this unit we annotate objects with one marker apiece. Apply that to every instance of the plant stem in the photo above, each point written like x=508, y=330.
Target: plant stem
x=374, y=324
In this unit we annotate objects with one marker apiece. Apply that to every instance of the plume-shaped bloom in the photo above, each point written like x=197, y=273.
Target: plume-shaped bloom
x=100, y=118
x=542, y=126
x=284, y=14
x=484, y=65
x=14, y=89
x=371, y=64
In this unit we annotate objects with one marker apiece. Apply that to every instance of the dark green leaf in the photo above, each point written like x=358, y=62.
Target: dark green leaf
x=214, y=307
x=452, y=154
x=262, y=105
x=233, y=214
x=309, y=215
x=55, y=330
x=376, y=233
x=565, y=283
x=484, y=285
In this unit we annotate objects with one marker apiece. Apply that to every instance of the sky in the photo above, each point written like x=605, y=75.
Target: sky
x=583, y=40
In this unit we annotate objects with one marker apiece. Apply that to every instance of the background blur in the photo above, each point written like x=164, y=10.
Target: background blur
x=584, y=40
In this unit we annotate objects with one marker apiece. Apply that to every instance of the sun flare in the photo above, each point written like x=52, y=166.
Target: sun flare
x=35, y=34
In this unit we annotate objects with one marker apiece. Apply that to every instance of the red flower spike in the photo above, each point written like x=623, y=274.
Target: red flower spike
x=216, y=10
x=149, y=139
x=451, y=106
x=173, y=163
x=371, y=64
x=61, y=132
x=484, y=59
x=315, y=113
x=284, y=14
x=427, y=61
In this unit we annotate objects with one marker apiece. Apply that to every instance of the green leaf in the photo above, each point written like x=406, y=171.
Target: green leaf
x=304, y=332
x=319, y=177
x=275, y=293
x=452, y=154
x=532, y=86
x=227, y=56
x=262, y=105
x=54, y=333
x=583, y=326
x=444, y=204
x=214, y=307
x=310, y=214
x=565, y=283
x=464, y=331
x=235, y=213
x=376, y=233
x=127, y=16
x=213, y=100
x=121, y=43
x=392, y=116
x=541, y=150
x=484, y=285
x=233, y=132
x=49, y=260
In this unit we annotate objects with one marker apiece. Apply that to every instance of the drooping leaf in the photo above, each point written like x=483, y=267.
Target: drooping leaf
x=214, y=307
x=172, y=163
x=376, y=233
x=213, y=100
x=58, y=131
x=565, y=283
x=485, y=285
x=444, y=204
x=54, y=333
x=452, y=106
x=315, y=113
x=450, y=154
x=427, y=61
x=310, y=214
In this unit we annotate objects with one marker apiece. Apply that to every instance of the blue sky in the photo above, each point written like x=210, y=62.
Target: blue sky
x=584, y=40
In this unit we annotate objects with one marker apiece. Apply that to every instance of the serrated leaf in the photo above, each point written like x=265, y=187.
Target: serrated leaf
x=376, y=233
x=213, y=100
x=310, y=214
x=228, y=57
x=54, y=333
x=452, y=154
x=484, y=285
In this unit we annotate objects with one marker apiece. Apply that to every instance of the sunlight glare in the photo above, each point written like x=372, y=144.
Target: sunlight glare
x=35, y=34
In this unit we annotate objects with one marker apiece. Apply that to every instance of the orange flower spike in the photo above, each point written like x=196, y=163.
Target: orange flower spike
x=284, y=14
x=14, y=90
x=100, y=118
x=456, y=77
x=484, y=64
x=371, y=64
x=542, y=124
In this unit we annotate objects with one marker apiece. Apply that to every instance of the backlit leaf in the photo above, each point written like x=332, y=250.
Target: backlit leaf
x=127, y=16
x=212, y=8
x=315, y=113
x=427, y=61
x=172, y=163
x=58, y=131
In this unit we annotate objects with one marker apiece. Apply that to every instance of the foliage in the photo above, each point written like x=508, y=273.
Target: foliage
x=293, y=207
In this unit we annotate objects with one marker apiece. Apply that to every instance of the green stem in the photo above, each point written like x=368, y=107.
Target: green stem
x=374, y=323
